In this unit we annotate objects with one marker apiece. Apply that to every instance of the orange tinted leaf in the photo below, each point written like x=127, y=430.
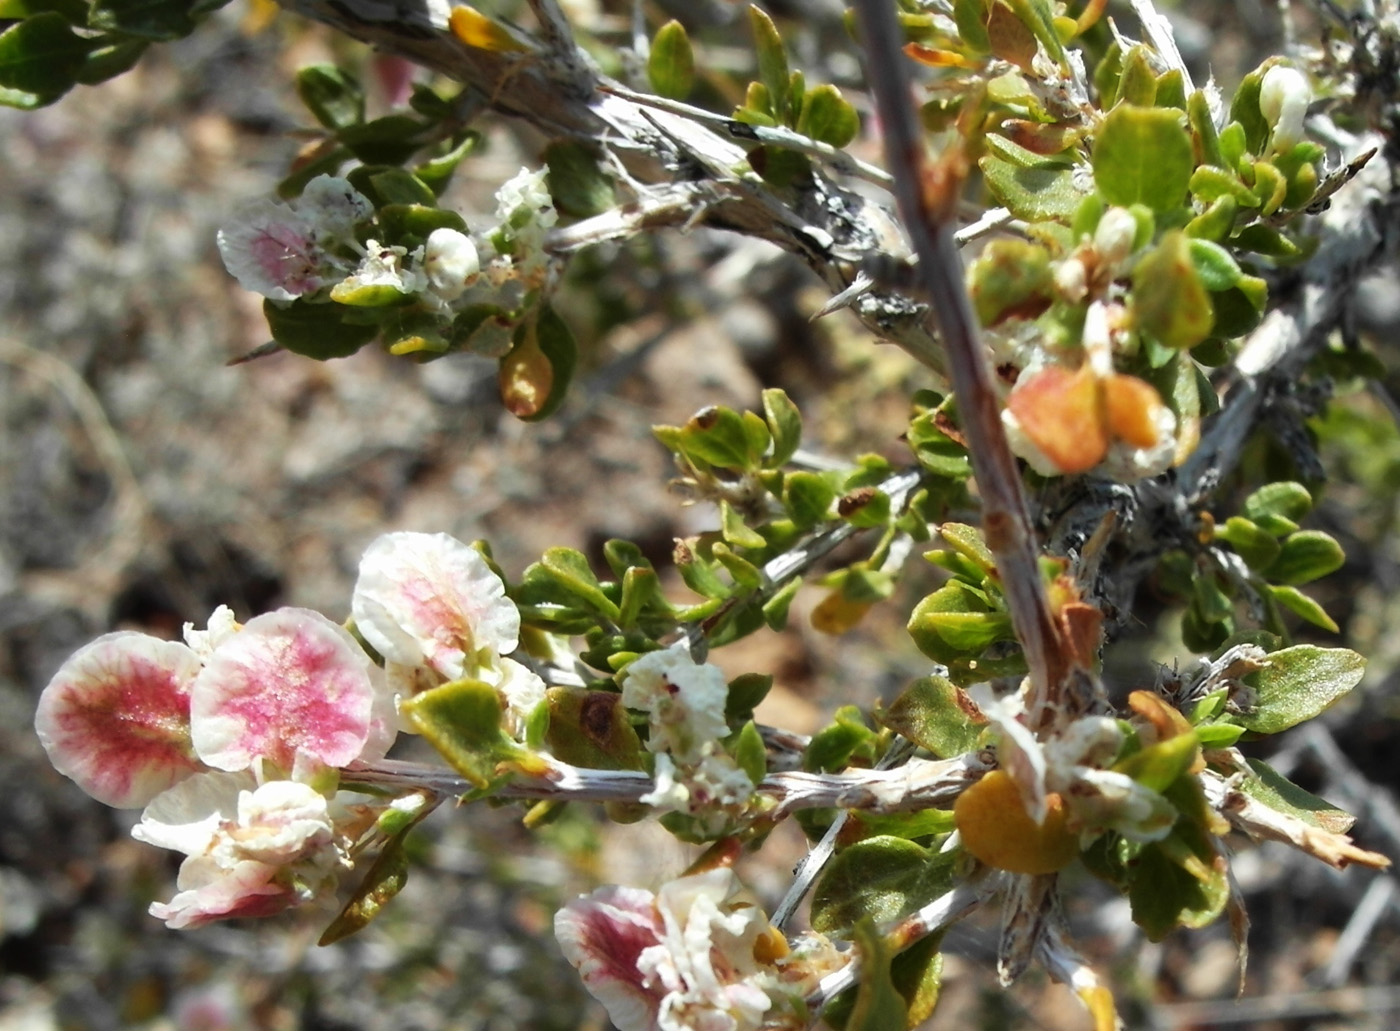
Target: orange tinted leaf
x=936, y=58
x=996, y=828
x=474, y=29
x=1009, y=37
x=835, y=614
x=1062, y=413
x=1132, y=406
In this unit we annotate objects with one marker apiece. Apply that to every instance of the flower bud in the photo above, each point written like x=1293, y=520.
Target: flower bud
x=1284, y=96
x=450, y=262
x=1114, y=237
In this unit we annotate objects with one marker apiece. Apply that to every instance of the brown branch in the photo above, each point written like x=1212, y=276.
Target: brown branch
x=926, y=191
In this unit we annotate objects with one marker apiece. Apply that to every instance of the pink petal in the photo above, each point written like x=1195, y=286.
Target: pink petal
x=604, y=935
x=429, y=599
x=289, y=682
x=116, y=718
x=248, y=890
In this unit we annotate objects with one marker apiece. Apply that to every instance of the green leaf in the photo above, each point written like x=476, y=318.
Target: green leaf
x=749, y=752
x=953, y=618
x=937, y=715
x=883, y=879
x=591, y=729
x=717, y=437
x=1296, y=601
x=1304, y=557
x=971, y=19
x=828, y=117
x=785, y=426
x=40, y=57
x=1170, y=301
x=158, y=20
x=1214, y=264
x=1138, y=84
x=571, y=570
x=1159, y=766
x=1039, y=17
x=1244, y=110
x=1271, y=788
x=109, y=59
x=436, y=172
x=1266, y=240
x=390, y=140
x=316, y=330
x=334, y=98
x=735, y=530
x=384, y=879
x=640, y=588
x=1038, y=193
x=775, y=609
x=1254, y=544
x=1286, y=500
x=671, y=66
x=1218, y=735
x=399, y=186
x=772, y=61
x=831, y=747
x=462, y=720
x=1298, y=684
x=1210, y=184
x=1144, y=156
x=402, y=221
x=878, y=1005
x=968, y=542
x=576, y=180
x=807, y=497
x=1010, y=279
x=745, y=692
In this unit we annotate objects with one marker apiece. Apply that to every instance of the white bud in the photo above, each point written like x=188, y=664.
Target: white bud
x=450, y=262
x=1071, y=280
x=1114, y=237
x=1284, y=97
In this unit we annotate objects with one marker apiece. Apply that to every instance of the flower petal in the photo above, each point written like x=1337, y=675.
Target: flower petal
x=289, y=682
x=212, y=893
x=116, y=718
x=604, y=935
x=429, y=599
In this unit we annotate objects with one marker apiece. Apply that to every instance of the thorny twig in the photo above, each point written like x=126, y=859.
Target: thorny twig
x=926, y=192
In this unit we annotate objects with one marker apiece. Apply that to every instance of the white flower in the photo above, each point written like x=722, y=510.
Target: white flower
x=333, y=208
x=684, y=699
x=220, y=628
x=271, y=250
x=526, y=212
x=450, y=263
x=1284, y=96
x=712, y=789
x=1128, y=464
x=381, y=271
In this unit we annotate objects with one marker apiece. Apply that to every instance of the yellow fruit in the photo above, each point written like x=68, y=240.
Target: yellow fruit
x=996, y=828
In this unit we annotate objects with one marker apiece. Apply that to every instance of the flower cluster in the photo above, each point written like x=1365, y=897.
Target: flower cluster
x=695, y=956
x=329, y=244
x=233, y=739
x=684, y=701
x=230, y=741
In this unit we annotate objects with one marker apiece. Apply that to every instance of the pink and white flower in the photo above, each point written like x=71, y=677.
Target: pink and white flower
x=681, y=960
x=271, y=250
x=696, y=956
x=290, y=688
x=116, y=718
x=429, y=600
x=252, y=850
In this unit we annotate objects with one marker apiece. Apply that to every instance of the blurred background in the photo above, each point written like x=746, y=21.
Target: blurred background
x=143, y=481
